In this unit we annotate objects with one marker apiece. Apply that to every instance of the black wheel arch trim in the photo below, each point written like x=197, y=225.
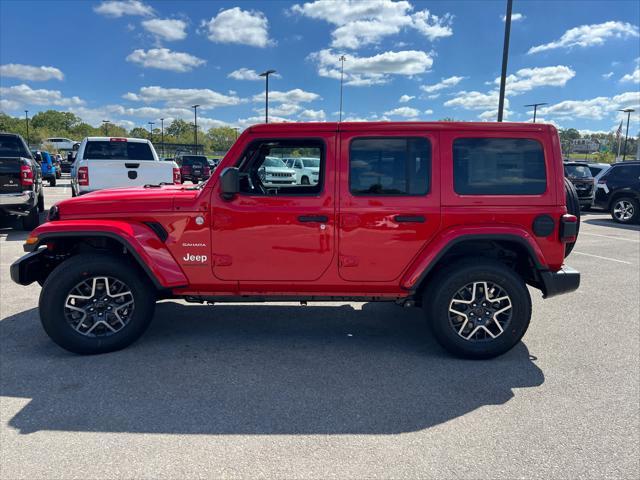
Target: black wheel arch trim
x=490, y=236
x=98, y=233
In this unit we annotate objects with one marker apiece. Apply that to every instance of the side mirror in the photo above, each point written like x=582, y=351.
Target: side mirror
x=229, y=183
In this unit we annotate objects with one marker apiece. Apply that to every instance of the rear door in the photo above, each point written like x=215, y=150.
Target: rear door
x=11, y=149
x=121, y=163
x=389, y=202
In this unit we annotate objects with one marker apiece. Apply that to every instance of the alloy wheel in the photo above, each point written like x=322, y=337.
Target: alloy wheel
x=623, y=210
x=480, y=311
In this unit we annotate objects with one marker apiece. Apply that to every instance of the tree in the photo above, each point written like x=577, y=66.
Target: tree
x=58, y=123
x=179, y=128
x=139, y=132
x=221, y=138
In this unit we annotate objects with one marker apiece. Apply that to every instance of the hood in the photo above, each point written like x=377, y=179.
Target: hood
x=127, y=200
x=278, y=170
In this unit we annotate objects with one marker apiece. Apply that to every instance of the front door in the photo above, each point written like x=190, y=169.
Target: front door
x=277, y=229
x=389, y=202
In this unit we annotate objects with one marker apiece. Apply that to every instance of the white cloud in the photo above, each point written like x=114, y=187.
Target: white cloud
x=445, y=83
x=313, y=115
x=595, y=108
x=633, y=77
x=165, y=59
x=248, y=74
x=22, y=95
x=360, y=23
x=29, y=72
x=515, y=17
x=492, y=115
x=527, y=79
x=428, y=112
x=475, y=100
x=406, y=112
x=279, y=110
x=166, y=29
x=365, y=71
x=294, y=96
x=590, y=35
x=247, y=122
x=182, y=97
x=607, y=75
x=406, y=98
x=116, y=9
x=246, y=27
x=433, y=96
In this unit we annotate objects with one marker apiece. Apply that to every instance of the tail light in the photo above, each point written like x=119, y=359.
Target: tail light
x=568, y=228
x=176, y=175
x=83, y=176
x=26, y=175
x=207, y=171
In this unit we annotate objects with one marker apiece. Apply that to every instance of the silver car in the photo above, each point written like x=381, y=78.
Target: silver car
x=274, y=173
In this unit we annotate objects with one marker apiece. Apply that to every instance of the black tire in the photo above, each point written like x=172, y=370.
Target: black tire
x=631, y=204
x=73, y=192
x=304, y=180
x=573, y=208
x=52, y=181
x=41, y=202
x=455, y=277
x=32, y=220
x=68, y=275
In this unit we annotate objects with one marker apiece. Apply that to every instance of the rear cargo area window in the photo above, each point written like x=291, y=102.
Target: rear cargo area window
x=101, y=150
x=498, y=166
x=389, y=166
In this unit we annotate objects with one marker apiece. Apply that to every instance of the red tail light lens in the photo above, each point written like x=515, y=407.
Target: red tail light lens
x=207, y=171
x=83, y=176
x=176, y=175
x=26, y=175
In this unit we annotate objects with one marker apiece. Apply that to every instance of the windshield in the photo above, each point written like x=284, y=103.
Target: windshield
x=102, y=150
x=273, y=162
x=194, y=160
x=11, y=146
x=577, y=171
x=311, y=162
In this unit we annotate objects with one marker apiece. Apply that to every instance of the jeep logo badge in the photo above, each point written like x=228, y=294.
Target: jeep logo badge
x=195, y=258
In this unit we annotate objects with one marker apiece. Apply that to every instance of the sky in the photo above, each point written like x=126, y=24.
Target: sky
x=136, y=61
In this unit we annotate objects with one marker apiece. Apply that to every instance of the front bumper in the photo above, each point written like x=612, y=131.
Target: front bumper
x=16, y=199
x=28, y=268
x=564, y=280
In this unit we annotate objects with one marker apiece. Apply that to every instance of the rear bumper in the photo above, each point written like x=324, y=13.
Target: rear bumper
x=16, y=199
x=564, y=280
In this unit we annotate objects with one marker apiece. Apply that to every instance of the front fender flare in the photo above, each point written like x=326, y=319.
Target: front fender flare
x=141, y=241
x=439, y=246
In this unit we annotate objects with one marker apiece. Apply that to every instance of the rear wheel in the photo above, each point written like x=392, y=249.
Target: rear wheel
x=625, y=210
x=478, y=309
x=305, y=181
x=95, y=304
x=32, y=220
x=41, y=202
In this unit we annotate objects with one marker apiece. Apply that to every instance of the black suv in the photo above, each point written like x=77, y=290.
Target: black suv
x=579, y=174
x=619, y=192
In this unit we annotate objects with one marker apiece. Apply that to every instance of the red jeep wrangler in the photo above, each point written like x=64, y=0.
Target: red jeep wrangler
x=455, y=217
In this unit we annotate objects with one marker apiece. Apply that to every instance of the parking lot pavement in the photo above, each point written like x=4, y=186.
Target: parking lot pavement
x=345, y=390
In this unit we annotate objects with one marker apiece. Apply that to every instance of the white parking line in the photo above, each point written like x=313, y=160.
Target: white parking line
x=603, y=258
x=614, y=238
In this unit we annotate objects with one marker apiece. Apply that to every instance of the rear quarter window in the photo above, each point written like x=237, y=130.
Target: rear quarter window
x=498, y=166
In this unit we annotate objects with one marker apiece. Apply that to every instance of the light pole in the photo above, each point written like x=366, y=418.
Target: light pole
x=535, y=109
x=105, y=124
x=236, y=130
x=151, y=124
x=628, y=111
x=505, y=58
x=26, y=117
x=195, y=125
x=162, y=134
x=266, y=94
x=342, y=59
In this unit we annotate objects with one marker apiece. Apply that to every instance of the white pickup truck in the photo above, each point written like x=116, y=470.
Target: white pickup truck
x=107, y=162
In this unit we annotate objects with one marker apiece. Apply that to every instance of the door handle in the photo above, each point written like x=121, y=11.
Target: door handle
x=131, y=165
x=313, y=218
x=409, y=218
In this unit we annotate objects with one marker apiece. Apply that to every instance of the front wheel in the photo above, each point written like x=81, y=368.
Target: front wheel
x=625, y=210
x=478, y=309
x=95, y=304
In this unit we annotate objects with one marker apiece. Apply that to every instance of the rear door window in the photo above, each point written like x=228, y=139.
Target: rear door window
x=102, y=150
x=498, y=166
x=190, y=160
x=389, y=166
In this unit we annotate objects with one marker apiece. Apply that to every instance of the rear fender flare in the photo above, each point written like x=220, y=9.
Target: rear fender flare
x=438, y=247
x=141, y=241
